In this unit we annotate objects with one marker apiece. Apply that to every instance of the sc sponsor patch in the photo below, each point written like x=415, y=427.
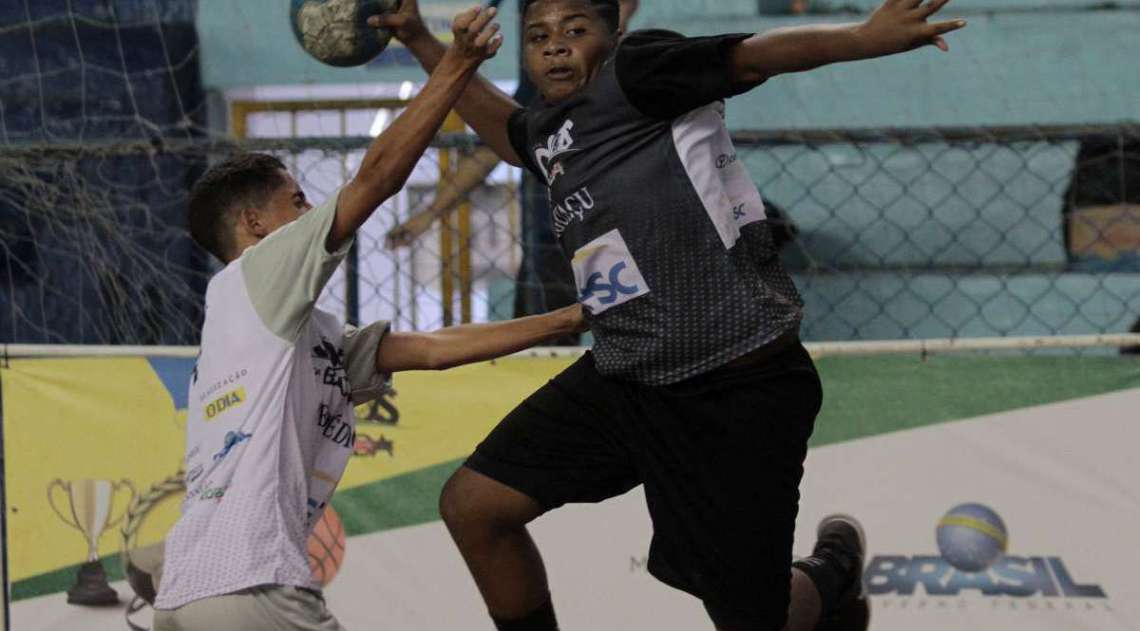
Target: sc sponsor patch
x=606, y=274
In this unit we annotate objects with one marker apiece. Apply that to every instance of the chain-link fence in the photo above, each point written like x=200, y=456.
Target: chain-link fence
x=959, y=232
x=889, y=234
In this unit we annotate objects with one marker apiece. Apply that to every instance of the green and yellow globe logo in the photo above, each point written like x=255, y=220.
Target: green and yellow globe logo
x=971, y=537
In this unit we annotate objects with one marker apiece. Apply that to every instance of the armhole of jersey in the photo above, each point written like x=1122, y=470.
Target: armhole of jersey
x=518, y=132
x=663, y=104
x=621, y=87
x=254, y=317
x=285, y=313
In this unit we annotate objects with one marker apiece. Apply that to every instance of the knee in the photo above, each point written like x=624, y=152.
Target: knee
x=472, y=505
x=455, y=507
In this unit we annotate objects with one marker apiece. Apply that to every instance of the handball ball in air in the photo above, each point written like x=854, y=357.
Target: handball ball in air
x=336, y=32
x=971, y=537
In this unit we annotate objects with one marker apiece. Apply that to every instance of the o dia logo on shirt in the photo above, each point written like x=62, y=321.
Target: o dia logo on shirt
x=226, y=402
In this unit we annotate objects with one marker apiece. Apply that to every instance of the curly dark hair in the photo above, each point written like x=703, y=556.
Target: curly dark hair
x=609, y=10
x=240, y=181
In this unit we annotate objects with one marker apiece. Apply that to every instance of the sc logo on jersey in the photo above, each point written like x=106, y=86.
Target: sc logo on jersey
x=606, y=274
x=610, y=291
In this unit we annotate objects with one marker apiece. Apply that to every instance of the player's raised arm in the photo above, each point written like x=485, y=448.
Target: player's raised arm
x=392, y=156
x=486, y=108
x=896, y=26
x=469, y=343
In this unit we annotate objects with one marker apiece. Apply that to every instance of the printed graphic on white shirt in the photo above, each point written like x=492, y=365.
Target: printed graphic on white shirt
x=606, y=274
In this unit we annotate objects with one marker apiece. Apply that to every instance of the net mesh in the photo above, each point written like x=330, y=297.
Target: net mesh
x=91, y=202
x=959, y=232
x=903, y=238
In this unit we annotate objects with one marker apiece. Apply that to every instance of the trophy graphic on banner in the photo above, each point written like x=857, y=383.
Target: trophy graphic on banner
x=89, y=504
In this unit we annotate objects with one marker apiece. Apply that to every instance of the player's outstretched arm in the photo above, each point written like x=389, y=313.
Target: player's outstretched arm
x=470, y=343
x=392, y=156
x=896, y=26
x=486, y=108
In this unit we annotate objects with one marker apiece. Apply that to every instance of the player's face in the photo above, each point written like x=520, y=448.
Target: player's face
x=285, y=204
x=565, y=43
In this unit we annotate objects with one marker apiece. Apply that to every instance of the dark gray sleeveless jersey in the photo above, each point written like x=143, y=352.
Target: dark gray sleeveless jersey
x=665, y=230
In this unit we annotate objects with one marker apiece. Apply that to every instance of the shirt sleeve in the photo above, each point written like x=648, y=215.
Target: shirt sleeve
x=519, y=135
x=286, y=272
x=360, y=346
x=665, y=74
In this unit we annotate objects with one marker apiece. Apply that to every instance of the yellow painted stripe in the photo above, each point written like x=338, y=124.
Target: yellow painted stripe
x=981, y=526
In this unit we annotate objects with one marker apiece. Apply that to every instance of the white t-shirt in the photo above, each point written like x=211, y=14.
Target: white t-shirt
x=270, y=424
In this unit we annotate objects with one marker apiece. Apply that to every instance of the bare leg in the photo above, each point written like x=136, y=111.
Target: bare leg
x=488, y=520
x=803, y=610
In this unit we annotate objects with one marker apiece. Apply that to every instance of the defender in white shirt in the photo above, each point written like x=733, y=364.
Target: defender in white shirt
x=270, y=426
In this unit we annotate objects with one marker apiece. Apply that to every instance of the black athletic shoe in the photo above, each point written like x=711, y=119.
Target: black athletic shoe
x=841, y=537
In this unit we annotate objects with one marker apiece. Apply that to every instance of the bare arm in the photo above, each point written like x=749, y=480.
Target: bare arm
x=896, y=26
x=627, y=8
x=392, y=156
x=470, y=343
x=484, y=107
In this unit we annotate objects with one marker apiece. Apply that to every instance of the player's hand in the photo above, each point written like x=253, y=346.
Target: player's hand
x=901, y=25
x=578, y=322
x=410, y=231
x=406, y=23
x=477, y=38
x=570, y=320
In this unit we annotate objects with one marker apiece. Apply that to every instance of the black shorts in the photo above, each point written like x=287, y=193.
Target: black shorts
x=721, y=457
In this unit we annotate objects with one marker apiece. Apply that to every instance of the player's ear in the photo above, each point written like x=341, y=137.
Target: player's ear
x=616, y=35
x=251, y=220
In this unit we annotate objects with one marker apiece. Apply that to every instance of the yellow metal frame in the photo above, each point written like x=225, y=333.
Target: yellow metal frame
x=449, y=249
x=455, y=242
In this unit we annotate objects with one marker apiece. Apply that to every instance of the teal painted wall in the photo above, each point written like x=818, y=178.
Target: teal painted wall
x=1002, y=69
x=687, y=9
x=1041, y=66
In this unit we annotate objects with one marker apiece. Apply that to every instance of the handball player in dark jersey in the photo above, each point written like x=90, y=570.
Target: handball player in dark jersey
x=697, y=386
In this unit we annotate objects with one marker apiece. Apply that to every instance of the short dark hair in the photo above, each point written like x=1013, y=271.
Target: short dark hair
x=242, y=180
x=608, y=9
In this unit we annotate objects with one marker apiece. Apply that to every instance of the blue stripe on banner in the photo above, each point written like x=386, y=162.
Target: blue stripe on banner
x=174, y=372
